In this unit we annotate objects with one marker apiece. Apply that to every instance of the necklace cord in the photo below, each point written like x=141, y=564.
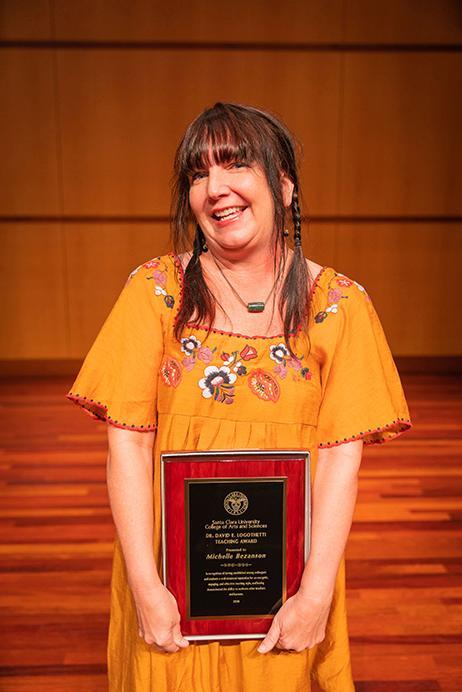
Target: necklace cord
x=257, y=306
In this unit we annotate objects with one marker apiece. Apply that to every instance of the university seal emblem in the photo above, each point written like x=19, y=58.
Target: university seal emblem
x=236, y=502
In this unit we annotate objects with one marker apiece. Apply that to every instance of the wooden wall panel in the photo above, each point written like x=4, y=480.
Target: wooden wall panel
x=100, y=258
x=34, y=320
x=412, y=273
x=200, y=20
x=123, y=112
x=388, y=21
x=25, y=19
x=411, y=21
x=91, y=131
x=320, y=242
x=401, y=135
x=356, y=21
x=28, y=134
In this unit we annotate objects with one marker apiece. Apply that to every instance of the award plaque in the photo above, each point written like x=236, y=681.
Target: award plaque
x=235, y=537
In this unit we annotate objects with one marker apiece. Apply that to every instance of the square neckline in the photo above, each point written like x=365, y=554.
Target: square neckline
x=178, y=264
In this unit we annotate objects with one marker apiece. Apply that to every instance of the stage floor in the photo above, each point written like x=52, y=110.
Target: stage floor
x=404, y=553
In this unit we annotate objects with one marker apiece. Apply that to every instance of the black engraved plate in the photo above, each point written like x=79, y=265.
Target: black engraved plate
x=235, y=546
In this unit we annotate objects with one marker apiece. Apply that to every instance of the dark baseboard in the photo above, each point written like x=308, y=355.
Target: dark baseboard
x=444, y=365
x=40, y=368
x=430, y=365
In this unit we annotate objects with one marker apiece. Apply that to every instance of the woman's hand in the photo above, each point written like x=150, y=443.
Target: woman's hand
x=159, y=619
x=299, y=624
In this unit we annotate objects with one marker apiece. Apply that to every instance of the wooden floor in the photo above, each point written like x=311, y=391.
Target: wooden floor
x=404, y=552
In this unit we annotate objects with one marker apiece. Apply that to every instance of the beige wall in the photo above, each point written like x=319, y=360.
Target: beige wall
x=95, y=95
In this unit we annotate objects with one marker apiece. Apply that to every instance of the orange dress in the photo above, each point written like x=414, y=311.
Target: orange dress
x=229, y=390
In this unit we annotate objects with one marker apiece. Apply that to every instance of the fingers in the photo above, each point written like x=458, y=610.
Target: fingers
x=178, y=638
x=271, y=638
x=170, y=648
x=168, y=644
x=159, y=622
x=284, y=648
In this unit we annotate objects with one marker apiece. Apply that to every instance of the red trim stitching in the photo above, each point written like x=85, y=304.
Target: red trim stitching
x=404, y=425
x=179, y=266
x=81, y=400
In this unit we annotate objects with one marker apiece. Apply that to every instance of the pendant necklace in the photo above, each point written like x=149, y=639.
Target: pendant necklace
x=256, y=306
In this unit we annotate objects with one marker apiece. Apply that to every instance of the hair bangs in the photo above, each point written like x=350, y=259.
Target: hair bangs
x=219, y=140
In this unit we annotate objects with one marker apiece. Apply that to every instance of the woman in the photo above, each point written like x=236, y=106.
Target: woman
x=237, y=342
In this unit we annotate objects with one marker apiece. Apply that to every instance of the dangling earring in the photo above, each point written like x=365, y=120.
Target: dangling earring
x=297, y=220
x=285, y=232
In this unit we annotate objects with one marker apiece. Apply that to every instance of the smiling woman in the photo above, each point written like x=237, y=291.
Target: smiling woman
x=233, y=203
x=185, y=362
x=236, y=178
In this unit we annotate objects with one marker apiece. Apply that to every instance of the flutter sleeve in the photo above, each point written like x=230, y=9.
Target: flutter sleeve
x=361, y=392
x=118, y=379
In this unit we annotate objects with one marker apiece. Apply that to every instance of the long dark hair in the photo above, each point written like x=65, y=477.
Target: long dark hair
x=238, y=133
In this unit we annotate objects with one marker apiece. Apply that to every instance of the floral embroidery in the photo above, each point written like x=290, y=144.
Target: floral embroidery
x=151, y=264
x=159, y=276
x=335, y=295
x=189, y=344
x=285, y=361
x=248, y=352
x=170, y=371
x=147, y=265
x=264, y=385
x=188, y=363
x=218, y=380
x=240, y=369
x=159, y=291
x=278, y=353
x=217, y=383
x=194, y=350
x=205, y=354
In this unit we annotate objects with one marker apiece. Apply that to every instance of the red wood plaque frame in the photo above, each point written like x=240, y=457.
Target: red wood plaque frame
x=234, y=469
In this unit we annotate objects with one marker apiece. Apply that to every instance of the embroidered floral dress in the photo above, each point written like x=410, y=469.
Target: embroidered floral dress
x=235, y=391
